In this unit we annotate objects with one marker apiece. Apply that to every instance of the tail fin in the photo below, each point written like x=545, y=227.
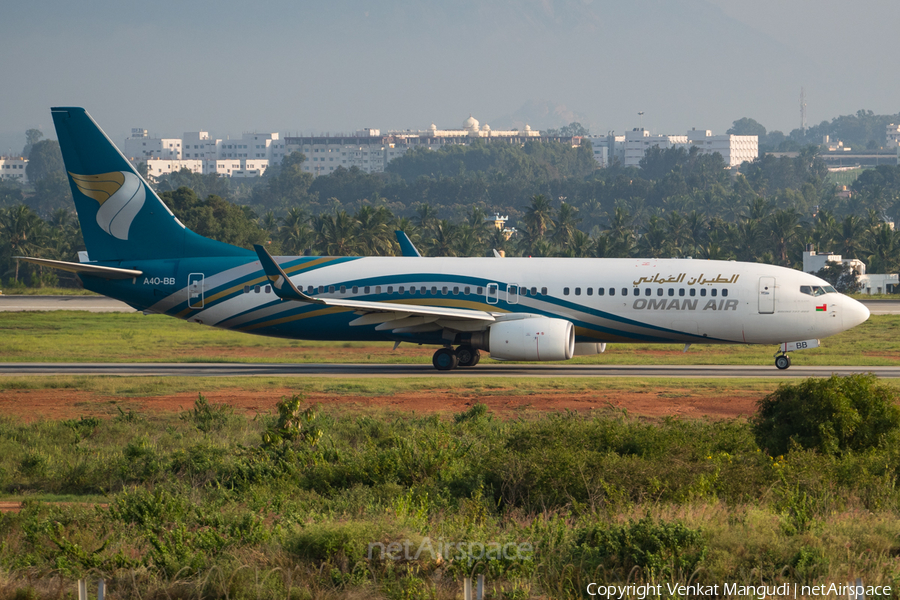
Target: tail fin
x=121, y=216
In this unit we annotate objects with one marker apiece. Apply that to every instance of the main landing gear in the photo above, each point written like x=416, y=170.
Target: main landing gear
x=447, y=359
x=782, y=361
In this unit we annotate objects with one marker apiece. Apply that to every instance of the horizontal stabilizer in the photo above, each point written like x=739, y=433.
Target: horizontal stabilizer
x=87, y=269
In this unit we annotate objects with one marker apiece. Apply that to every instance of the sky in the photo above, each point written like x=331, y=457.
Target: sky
x=230, y=67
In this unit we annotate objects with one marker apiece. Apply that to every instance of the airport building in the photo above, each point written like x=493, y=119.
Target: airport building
x=735, y=149
x=872, y=283
x=13, y=167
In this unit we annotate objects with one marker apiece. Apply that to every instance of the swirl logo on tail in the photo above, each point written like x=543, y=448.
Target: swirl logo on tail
x=121, y=196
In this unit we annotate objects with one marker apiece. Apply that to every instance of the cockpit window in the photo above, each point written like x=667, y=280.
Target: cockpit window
x=817, y=290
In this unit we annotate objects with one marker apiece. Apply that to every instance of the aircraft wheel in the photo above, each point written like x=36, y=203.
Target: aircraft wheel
x=445, y=360
x=783, y=362
x=468, y=356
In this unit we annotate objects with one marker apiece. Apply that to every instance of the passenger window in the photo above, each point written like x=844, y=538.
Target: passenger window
x=702, y=291
x=601, y=291
x=268, y=289
x=434, y=290
x=624, y=291
x=377, y=289
x=256, y=289
x=590, y=291
x=366, y=289
x=455, y=290
x=659, y=291
x=577, y=291
x=343, y=289
x=390, y=289
x=478, y=290
x=612, y=291
x=693, y=292
x=246, y=289
x=401, y=289
x=671, y=291
x=412, y=290
x=534, y=291
x=724, y=292
x=330, y=289
x=321, y=289
x=713, y=292
x=647, y=291
x=636, y=291
x=444, y=290
x=311, y=290
x=565, y=291
x=681, y=291
x=466, y=291
x=355, y=289
x=423, y=289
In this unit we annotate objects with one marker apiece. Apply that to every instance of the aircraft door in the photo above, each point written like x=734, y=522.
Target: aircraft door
x=512, y=293
x=766, y=295
x=195, y=290
x=492, y=294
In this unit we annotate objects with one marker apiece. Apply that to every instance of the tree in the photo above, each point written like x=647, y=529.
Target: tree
x=32, y=137
x=841, y=276
x=215, y=218
x=747, y=126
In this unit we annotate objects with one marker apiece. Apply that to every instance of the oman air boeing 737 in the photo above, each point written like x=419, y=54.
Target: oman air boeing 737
x=518, y=309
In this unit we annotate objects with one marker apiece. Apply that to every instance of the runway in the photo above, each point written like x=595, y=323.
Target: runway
x=14, y=303
x=396, y=371
x=96, y=304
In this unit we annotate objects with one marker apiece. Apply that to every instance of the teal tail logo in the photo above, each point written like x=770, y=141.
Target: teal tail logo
x=121, y=196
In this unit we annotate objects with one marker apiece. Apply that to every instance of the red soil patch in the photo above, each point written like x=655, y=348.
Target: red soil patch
x=31, y=405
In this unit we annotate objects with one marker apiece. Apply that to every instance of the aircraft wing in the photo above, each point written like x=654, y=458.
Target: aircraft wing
x=87, y=269
x=386, y=313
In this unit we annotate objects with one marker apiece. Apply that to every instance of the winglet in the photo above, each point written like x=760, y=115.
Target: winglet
x=282, y=285
x=406, y=246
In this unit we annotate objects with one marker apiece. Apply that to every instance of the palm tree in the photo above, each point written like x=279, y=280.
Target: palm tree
x=375, y=234
x=20, y=229
x=882, y=249
x=336, y=234
x=539, y=216
x=443, y=238
x=295, y=233
x=565, y=225
x=850, y=237
x=784, y=227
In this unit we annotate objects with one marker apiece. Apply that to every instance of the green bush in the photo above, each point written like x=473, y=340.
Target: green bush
x=832, y=416
x=657, y=548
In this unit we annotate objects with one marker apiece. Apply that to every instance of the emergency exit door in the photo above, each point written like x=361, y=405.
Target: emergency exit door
x=766, y=295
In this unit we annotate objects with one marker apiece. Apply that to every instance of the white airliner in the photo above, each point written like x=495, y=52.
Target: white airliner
x=515, y=309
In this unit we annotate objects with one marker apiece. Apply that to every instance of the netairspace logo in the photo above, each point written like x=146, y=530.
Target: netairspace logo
x=471, y=552
x=760, y=592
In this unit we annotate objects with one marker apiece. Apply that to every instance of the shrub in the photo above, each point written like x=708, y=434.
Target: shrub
x=657, y=548
x=208, y=417
x=832, y=416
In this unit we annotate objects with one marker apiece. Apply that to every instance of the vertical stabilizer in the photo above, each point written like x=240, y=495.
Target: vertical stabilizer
x=121, y=216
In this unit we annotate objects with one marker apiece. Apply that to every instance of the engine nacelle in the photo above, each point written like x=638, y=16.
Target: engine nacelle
x=533, y=338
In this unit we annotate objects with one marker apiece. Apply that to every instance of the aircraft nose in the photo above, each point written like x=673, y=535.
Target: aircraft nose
x=855, y=312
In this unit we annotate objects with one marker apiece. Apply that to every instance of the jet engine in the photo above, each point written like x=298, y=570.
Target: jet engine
x=529, y=339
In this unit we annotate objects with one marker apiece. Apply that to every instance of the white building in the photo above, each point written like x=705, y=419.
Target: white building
x=735, y=149
x=892, y=134
x=13, y=167
x=639, y=140
x=371, y=150
x=249, y=156
x=872, y=283
x=607, y=148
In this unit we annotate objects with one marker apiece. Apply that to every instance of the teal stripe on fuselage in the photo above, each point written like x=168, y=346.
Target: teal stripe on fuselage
x=141, y=296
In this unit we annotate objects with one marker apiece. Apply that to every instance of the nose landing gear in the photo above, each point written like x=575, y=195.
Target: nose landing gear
x=447, y=359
